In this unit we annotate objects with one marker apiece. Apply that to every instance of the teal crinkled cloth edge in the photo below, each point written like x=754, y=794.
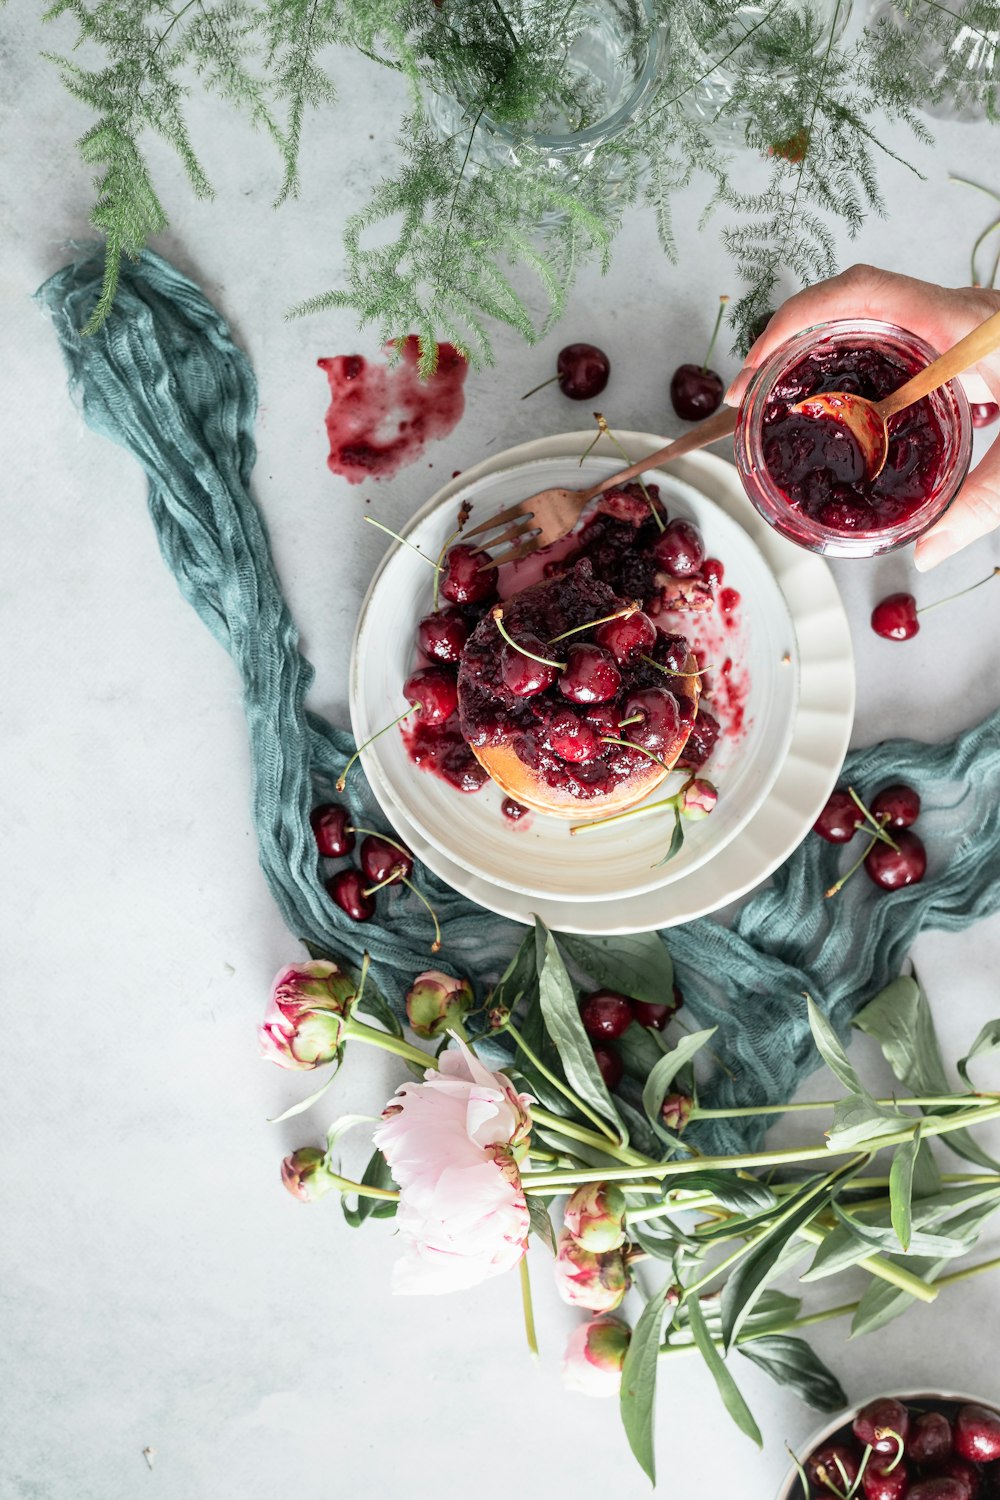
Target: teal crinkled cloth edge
x=164, y=379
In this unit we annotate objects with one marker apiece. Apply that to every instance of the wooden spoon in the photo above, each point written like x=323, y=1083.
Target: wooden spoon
x=866, y=420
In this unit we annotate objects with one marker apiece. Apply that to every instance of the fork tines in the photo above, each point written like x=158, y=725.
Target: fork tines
x=512, y=513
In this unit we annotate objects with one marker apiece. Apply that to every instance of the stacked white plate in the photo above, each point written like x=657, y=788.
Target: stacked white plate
x=782, y=748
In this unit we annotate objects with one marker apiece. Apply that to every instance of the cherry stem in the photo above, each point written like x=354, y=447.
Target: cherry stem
x=440, y=562
x=676, y=671
x=436, y=945
x=609, y=739
x=619, y=614
x=857, y=866
x=723, y=300
x=635, y=719
x=925, y=607
x=341, y=781
x=900, y=1449
x=402, y=539
x=374, y=833
x=496, y=613
x=394, y=875
x=605, y=430
x=878, y=827
x=536, y=388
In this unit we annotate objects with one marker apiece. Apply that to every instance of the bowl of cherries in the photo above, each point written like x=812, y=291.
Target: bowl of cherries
x=907, y=1447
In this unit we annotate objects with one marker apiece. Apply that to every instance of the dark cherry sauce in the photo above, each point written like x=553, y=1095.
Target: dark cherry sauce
x=442, y=749
x=515, y=813
x=818, y=465
x=381, y=418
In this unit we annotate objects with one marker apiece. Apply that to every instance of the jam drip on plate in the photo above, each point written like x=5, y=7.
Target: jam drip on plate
x=818, y=465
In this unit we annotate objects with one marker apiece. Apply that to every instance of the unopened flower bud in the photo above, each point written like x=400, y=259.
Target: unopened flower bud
x=583, y=1279
x=305, y=1016
x=497, y=1017
x=698, y=797
x=435, y=1003
x=594, y=1357
x=675, y=1111
x=305, y=1175
x=595, y=1216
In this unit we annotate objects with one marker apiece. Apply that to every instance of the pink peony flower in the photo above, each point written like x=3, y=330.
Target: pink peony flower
x=435, y=1003
x=592, y=1364
x=675, y=1111
x=595, y=1216
x=453, y=1144
x=306, y=1014
x=583, y=1279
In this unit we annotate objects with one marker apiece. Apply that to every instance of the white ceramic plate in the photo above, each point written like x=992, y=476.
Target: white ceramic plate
x=819, y=733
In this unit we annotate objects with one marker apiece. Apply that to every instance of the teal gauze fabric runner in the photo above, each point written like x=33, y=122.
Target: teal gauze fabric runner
x=164, y=379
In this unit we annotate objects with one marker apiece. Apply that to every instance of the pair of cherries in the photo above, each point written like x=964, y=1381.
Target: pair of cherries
x=607, y=1015
x=383, y=863
x=897, y=856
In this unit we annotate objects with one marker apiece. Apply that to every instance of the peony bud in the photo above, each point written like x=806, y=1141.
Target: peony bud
x=435, y=1003
x=598, y=1282
x=595, y=1216
x=698, y=797
x=305, y=1018
x=305, y=1175
x=594, y=1357
x=675, y=1111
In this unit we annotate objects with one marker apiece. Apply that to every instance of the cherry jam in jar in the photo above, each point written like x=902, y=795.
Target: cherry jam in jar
x=806, y=477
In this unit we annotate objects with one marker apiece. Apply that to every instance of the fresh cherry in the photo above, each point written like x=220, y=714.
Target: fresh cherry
x=436, y=690
x=977, y=1434
x=840, y=819
x=347, y=888
x=628, y=637
x=895, y=617
x=896, y=806
x=659, y=720
x=680, y=550
x=582, y=371
x=929, y=1441
x=965, y=1472
x=648, y=1013
x=942, y=1487
x=891, y=868
x=882, y=1421
x=572, y=739
x=590, y=676
x=443, y=635
x=523, y=675
x=382, y=862
x=984, y=413
x=831, y=1465
x=333, y=836
x=695, y=392
x=606, y=1015
x=609, y=1065
x=884, y=1478
x=464, y=579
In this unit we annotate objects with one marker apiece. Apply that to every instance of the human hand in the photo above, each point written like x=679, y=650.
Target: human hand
x=941, y=315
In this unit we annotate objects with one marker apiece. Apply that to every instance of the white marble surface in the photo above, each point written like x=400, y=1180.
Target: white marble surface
x=160, y=1290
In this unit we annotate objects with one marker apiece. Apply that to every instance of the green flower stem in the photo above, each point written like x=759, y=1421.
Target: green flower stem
x=345, y=1185
x=355, y=1030
x=790, y=1325
x=528, y=1308
x=647, y=807
x=557, y=1083
x=953, y=1276
x=636, y=1162
x=942, y=1101
x=883, y=1269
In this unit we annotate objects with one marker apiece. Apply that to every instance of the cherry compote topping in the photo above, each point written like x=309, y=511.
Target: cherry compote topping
x=627, y=637
x=891, y=868
x=840, y=819
x=609, y=1065
x=896, y=806
x=658, y=717
x=465, y=578
x=334, y=838
x=680, y=551
x=347, y=888
x=895, y=617
x=523, y=674
x=818, y=465
x=436, y=690
x=606, y=1015
x=591, y=675
x=513, y=811
x=442, y=636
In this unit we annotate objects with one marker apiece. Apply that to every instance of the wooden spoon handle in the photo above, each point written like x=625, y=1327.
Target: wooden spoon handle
x=712, y=430
x=968, y=351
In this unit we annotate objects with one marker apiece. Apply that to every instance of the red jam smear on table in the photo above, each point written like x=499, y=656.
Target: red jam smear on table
x=381, y=418
x=818, y=466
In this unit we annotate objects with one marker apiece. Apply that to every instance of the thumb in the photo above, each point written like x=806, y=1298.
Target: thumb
x=973, y=514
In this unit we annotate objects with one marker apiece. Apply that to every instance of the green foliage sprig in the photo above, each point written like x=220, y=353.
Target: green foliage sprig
x=811, y=107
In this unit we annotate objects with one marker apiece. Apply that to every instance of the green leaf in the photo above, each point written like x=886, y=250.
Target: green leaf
x=986, y=1042
x=638, y=1387
x=926, y=1176
x=721, y=1374
x=882, y=1301
x=373, y=1004
x=830, y=1050
x=519, y=975
x=749, y=1223
x=676, y=840
x=841, y=1248
x=641, y=1136
x=792, y=1363
x=901, y=1187
x=738, y=1192
x=310, y=1099
x=659, y=1246
x=885, y=1238
x=858, y=1121
x=636, y=964
x=539, y=1221
x=376, y=1174
x=665, y=1071
x=344, y=1124
x=562, y=1020
x=640, y=1050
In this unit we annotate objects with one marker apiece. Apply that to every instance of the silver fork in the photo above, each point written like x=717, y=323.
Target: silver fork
x=551, y=514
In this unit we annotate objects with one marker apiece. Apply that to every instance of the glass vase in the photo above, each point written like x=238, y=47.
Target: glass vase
x=964, y=69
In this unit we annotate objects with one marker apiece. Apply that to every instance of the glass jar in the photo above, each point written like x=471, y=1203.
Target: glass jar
x=905, y=500
x=621, y=80
x=962, y=72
